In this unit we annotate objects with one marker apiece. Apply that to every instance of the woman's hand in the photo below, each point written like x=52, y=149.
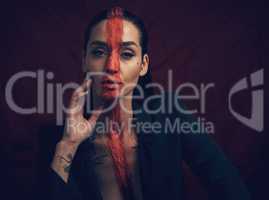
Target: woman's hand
x=77, y=127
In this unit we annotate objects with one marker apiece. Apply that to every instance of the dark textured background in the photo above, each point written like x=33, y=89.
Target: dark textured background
x=202, y=41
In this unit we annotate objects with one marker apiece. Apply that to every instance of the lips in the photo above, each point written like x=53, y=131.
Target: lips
x=111, y=83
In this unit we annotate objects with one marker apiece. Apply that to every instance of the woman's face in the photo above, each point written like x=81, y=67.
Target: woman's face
x=115, y=54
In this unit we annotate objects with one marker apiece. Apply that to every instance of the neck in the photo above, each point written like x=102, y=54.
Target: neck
x=120, y=111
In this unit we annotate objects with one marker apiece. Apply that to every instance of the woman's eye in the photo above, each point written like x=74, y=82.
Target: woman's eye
x=127, y=55
x=98, y=52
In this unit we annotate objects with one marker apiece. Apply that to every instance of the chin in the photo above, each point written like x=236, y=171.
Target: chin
x=110, y=95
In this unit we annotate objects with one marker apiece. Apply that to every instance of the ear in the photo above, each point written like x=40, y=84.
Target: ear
x=144, y=65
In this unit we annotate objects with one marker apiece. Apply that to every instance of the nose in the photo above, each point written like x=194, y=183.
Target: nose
x=113, y=63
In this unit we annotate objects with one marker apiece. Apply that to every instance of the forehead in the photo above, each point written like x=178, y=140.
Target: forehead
x=130, y=32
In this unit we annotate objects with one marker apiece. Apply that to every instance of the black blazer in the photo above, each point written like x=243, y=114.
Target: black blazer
x=160, y=157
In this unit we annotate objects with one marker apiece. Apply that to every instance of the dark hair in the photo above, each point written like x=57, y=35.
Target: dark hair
x=143, y=81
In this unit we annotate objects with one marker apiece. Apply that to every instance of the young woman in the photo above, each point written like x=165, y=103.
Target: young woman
x=123, y=161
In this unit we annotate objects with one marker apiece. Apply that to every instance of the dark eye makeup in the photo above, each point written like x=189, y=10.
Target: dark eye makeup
x=127, y=55
x=99, y=52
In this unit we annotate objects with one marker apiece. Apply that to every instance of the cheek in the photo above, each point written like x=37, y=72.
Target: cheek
x=95, y=65
x=92, y=66
x=130, y=72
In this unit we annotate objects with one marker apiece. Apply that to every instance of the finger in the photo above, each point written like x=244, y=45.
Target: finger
x=84, y=87
x=81, y=91
x=78, y=98
x=95, y=115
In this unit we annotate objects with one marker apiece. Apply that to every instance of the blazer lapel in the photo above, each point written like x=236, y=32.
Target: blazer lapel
x=145, y=150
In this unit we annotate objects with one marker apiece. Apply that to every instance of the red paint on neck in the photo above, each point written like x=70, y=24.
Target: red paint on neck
x=114, y=30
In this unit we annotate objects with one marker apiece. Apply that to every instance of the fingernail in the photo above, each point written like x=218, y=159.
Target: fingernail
x=88, y=76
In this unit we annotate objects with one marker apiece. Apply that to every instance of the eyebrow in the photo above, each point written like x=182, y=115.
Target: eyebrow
x=128, y=43
x=104, y=44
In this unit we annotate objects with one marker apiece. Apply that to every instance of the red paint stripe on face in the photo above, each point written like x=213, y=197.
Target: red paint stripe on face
x=114, y=31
